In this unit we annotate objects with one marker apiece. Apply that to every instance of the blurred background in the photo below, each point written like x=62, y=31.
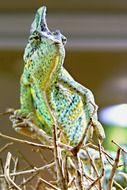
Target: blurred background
x=96, y=54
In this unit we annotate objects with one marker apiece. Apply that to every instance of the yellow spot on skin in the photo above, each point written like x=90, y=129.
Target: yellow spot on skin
x=76, y=112
x=28, y=63
x=33, y=93
x=39, y=116
x=53, y=67
x=37, y=113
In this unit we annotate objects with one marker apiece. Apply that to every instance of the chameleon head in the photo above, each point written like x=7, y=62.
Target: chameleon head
x=42, y=37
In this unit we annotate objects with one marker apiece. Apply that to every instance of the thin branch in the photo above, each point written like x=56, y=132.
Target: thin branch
x=32, y=187
x=26, y=142
x=65, y=169
x=94, y=183
x=7, y=172
x=111, y=177
x=65, y=146
x=6, y=146
x=24, y=182
x=76, y=149
x=125, y=151
x=26, y=160
x=8, y=111
x=71, y=182
x=94, y=168
x=123, y=175
x=15, y=168
x=38, y=183
x=49, y=184
x=50, y=170
x=89, y=178
x=24, y=187
x=79, y=176
x=60, y=177
x=104, y=152
x=35, y=170
x=3, y=183
x=118, y=185
x=102, y=161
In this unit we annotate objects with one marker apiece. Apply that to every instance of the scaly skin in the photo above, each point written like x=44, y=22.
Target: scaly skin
x=45, y=81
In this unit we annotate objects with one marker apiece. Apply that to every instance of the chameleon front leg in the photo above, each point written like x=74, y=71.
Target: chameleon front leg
x=26, y=111
x=26, y=100
x=43, y=109
x=88, y=99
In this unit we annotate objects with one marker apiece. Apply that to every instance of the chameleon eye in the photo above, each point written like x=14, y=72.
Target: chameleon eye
x=36, y=37
x=64, y=40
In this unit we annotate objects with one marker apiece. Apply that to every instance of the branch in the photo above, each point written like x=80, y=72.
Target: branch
x=60, y=177
x=94, y=168
x=26, y=142
x=6, y=146
x=111, y=177
x=7, y=172
x=30, y=171
x=8, y=111
x=76, y=149
x=125, y=151
x=94, y=183
x=78, y=172
x=49, y=184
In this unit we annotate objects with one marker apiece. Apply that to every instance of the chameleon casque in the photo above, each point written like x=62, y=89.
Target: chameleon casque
x=46, y=83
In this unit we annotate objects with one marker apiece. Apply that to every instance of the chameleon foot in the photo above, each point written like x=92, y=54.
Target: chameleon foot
x=20, y=125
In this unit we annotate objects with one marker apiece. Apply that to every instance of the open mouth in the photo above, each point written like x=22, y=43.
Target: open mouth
x=39, y=24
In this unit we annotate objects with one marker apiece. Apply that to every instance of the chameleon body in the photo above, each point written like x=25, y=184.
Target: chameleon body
x=46, y=84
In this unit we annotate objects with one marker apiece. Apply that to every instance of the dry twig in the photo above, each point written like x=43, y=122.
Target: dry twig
x=110, y=180
x=26, y=142
x=34, y=170
x=49, y=184
x=125, y=151
x=7, y=172
x=6, y=146
x=67, y=161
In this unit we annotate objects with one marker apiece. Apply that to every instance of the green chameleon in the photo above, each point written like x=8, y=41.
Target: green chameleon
x=46, y=86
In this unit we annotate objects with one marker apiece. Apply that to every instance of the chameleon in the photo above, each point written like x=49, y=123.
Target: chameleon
x=47, y=86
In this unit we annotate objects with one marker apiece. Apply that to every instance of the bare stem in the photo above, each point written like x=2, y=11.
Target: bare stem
x=7, y=172
x=94, y=168
x=35, y=170
x=125, y=151
x=60, y=177
x=77, y=163
x=6, y=146
x=48, y=184
x=110, y=181
x=26, y=142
